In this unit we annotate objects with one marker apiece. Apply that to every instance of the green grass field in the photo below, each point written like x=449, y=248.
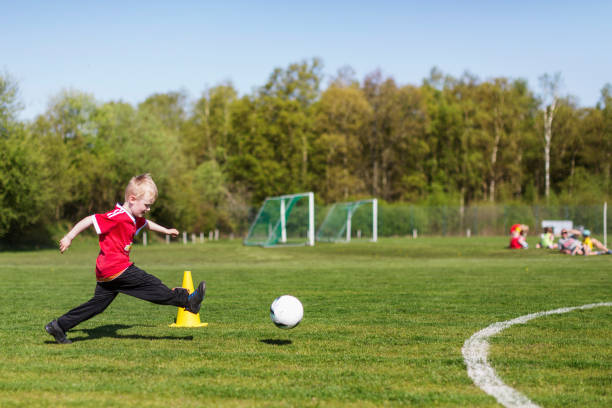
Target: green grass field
x=383, y=325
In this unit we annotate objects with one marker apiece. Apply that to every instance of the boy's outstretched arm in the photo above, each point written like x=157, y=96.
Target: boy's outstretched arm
x=158, y=228
x=76, y=230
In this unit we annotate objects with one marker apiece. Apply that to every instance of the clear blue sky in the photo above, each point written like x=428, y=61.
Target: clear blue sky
x=128, y=50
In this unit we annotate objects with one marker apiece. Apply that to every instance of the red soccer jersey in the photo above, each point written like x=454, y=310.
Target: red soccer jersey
x=116, y=231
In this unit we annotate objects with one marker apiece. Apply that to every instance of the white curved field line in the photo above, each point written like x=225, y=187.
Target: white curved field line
x=476, y=348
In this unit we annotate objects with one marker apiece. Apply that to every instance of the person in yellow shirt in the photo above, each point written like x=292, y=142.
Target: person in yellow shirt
x=588, y=243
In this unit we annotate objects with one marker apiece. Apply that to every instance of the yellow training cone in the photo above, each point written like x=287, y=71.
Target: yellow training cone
x=185, y=318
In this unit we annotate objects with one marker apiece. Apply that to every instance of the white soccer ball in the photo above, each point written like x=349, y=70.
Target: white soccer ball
x=286, y=312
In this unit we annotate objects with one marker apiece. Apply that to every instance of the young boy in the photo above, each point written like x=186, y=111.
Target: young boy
x=114, y=272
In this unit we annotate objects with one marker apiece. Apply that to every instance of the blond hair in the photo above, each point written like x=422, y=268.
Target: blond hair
x=141, y=187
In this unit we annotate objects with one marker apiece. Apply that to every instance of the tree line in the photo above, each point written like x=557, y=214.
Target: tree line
x=447, y=140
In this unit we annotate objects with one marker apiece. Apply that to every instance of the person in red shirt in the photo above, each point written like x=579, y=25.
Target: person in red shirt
x=518, y=242
x=115, y=273
x=517, y=229
x=518, y=232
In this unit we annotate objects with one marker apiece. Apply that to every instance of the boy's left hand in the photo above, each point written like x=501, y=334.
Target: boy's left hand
x=173, y=231
x=64, y=243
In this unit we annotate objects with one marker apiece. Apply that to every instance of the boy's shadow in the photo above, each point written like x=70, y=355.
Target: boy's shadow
x=276, y=342
x=110, y=330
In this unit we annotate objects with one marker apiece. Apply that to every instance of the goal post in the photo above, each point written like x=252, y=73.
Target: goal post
x=351, y=220
x=284, y=220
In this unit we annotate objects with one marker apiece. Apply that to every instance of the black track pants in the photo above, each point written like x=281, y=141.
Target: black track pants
x=134, y=282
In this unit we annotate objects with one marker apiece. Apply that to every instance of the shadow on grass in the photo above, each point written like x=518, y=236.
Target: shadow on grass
x=276, y=342
x=110, y=330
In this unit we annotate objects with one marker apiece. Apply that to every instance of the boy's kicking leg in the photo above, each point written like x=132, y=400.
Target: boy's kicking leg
x=136, y=282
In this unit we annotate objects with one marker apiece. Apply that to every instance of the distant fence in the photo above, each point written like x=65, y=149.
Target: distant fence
x=483, y=220
x=395, y=219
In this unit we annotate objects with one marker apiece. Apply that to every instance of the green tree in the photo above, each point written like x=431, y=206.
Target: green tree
x=201, y=198
x=504, y=106
x=268, y=152
x=566, y=153
x=252, y=165
x=207, y=132
x=9, y=103
x=66, y=135
x=287, y=100
x=169, y=108
x=393, y=142
x=112, y=163
x=153, y=146
x=343, y=115
x=453, y=164
x=598, y=139
x=24, y=196
x=299, y=82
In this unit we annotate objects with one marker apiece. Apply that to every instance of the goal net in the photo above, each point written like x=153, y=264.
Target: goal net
x=348, y=221
x=284, y=220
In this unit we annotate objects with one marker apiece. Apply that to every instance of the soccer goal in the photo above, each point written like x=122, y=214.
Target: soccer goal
x=352, y=220
x=284, y=220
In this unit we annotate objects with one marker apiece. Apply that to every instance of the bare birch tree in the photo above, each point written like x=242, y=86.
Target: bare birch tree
x=550, y=97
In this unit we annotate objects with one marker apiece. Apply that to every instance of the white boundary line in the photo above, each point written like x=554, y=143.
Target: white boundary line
x=476, y=348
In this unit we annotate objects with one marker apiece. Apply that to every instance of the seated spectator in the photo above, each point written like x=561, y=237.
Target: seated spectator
x=517, y=229
x=547, y=239
x=568, y=244
x=519, y=242
x=588, y=242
